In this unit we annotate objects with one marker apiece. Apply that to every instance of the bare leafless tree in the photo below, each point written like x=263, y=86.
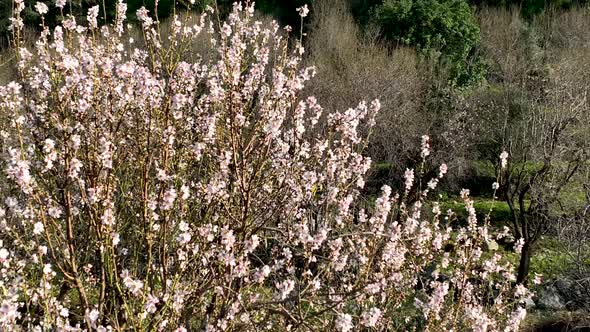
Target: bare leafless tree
x=546, y=154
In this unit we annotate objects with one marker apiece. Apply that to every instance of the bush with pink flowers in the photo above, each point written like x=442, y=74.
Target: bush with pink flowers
x=143, y=192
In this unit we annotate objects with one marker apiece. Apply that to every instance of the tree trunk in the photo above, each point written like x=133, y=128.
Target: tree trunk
x=525, y=261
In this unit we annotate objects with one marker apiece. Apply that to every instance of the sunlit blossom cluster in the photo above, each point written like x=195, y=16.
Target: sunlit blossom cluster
x=152, y=189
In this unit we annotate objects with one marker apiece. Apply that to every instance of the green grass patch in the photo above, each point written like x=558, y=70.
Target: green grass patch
x=549, y=258
x=498, y=211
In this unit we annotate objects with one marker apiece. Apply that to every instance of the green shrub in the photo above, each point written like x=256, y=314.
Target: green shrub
x=443, y=29
x=361, y=9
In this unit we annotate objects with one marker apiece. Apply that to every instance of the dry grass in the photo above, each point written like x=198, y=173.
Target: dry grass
x=503, y=42
x=567, y=47
x=566, y=29
x=7, y=56
x=6, y=66
x=352, y=66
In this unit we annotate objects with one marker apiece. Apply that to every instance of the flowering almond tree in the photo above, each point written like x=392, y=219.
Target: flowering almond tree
x=143, y=192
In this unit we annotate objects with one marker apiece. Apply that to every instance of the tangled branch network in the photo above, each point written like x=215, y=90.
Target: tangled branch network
x=149, y=187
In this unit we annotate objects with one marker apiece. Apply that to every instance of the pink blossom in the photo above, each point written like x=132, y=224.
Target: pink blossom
x=227, y=238
x=16, y=23
x=41, y=8
x=504, y=159
x=150, y=304
x=262, y=273
x=4, y=254
x=515, y=319
x=409, y=176
x=425, y=151
x=116, y=238
x=168, y=199
x=344, y=323
x=518, y=245
x=106, y=149
x=303, y=11
x=92, y=16
x=38, y=228
x=121, y=10
x=50, y=153
x=285, y=288
x=442, y=170
x=8, y=311
x=69, y=23
x=93, y=315
x=108, y=216
x=47, y=270
x=19, y=171
x=134, y=286
x=371, y=317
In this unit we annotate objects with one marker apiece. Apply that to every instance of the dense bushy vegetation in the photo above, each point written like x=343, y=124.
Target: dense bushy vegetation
x=155, y=188
x=444, y=29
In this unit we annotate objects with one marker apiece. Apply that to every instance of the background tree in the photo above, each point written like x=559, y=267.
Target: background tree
x=443, y=29
x=545, y=154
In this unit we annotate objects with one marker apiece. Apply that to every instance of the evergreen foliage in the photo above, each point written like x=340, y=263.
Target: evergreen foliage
x=444, y=29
